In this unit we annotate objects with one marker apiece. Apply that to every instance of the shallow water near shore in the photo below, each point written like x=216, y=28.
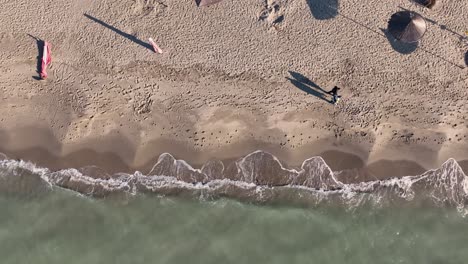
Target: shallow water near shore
x=178, y=214
x=63, y=227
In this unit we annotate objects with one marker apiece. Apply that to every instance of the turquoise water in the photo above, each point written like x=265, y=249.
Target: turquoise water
x=61, y=227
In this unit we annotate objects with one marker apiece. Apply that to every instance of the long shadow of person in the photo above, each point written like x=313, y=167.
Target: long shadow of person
x=40, y=52
x=308, y=86
x=120, y=32
x=323, y=9
x=400, y=47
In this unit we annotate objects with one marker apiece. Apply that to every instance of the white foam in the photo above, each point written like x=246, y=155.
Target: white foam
x=449, y=179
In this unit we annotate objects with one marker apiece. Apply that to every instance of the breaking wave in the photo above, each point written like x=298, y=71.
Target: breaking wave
x=258, y=177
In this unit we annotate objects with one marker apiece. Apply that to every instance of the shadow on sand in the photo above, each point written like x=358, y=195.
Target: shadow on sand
x=323, y=9
x=121, y=33
x=424, y=3
x=466, y=58
x=441, y=26
x=308, y=86
x=400, y=47
x=40, y=52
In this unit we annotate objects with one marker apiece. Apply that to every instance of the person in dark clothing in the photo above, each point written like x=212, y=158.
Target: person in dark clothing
x=334, y=94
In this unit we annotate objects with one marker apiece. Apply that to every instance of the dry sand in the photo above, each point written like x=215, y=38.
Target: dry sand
x=221, y=88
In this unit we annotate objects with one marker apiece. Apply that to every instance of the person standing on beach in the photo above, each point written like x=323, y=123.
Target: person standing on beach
x=334, y=94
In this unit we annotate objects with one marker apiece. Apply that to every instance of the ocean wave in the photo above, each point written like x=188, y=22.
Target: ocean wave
x=258, y=177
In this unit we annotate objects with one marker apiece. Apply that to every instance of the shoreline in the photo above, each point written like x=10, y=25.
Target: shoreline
x=115, y=154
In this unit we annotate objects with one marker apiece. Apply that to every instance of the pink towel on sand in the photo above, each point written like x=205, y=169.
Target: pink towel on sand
x=155, y=47
x=46, y=60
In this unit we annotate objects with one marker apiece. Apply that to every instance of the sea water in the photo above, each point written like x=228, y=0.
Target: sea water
x=63, y=227
x=178, y=214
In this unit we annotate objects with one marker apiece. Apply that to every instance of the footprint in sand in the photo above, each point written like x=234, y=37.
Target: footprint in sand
x=143, y=8
x=272, y=12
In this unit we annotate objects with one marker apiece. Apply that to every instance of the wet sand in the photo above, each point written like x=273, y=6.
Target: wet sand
x=116, y=154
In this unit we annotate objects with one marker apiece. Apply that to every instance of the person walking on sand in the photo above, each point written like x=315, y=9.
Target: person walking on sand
x=334, y=94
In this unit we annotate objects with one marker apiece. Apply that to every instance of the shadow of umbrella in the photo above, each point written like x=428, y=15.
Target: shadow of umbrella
x=400, y=47
x=426, y=3
x=323, y=9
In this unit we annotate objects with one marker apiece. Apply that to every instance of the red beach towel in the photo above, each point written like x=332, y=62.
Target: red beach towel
x=156, y=48
x=46, y=60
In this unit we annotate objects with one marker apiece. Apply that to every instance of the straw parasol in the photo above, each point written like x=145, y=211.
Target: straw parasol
x=207, y=2
x=407, y=26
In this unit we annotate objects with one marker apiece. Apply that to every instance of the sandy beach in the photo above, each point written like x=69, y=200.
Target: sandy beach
x=234, y=77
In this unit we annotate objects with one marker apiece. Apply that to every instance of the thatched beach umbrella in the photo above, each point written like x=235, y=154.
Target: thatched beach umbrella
x=407, y=26
x=207, y=2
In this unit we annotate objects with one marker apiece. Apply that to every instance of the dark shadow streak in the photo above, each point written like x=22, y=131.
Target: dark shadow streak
x=307, y=89
x=40, y=52
x=123, y=34
x=466, y=58
x=301, y=78
x=442, y=58
x=460, y=36
x=307, y=85
x=362, y=25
